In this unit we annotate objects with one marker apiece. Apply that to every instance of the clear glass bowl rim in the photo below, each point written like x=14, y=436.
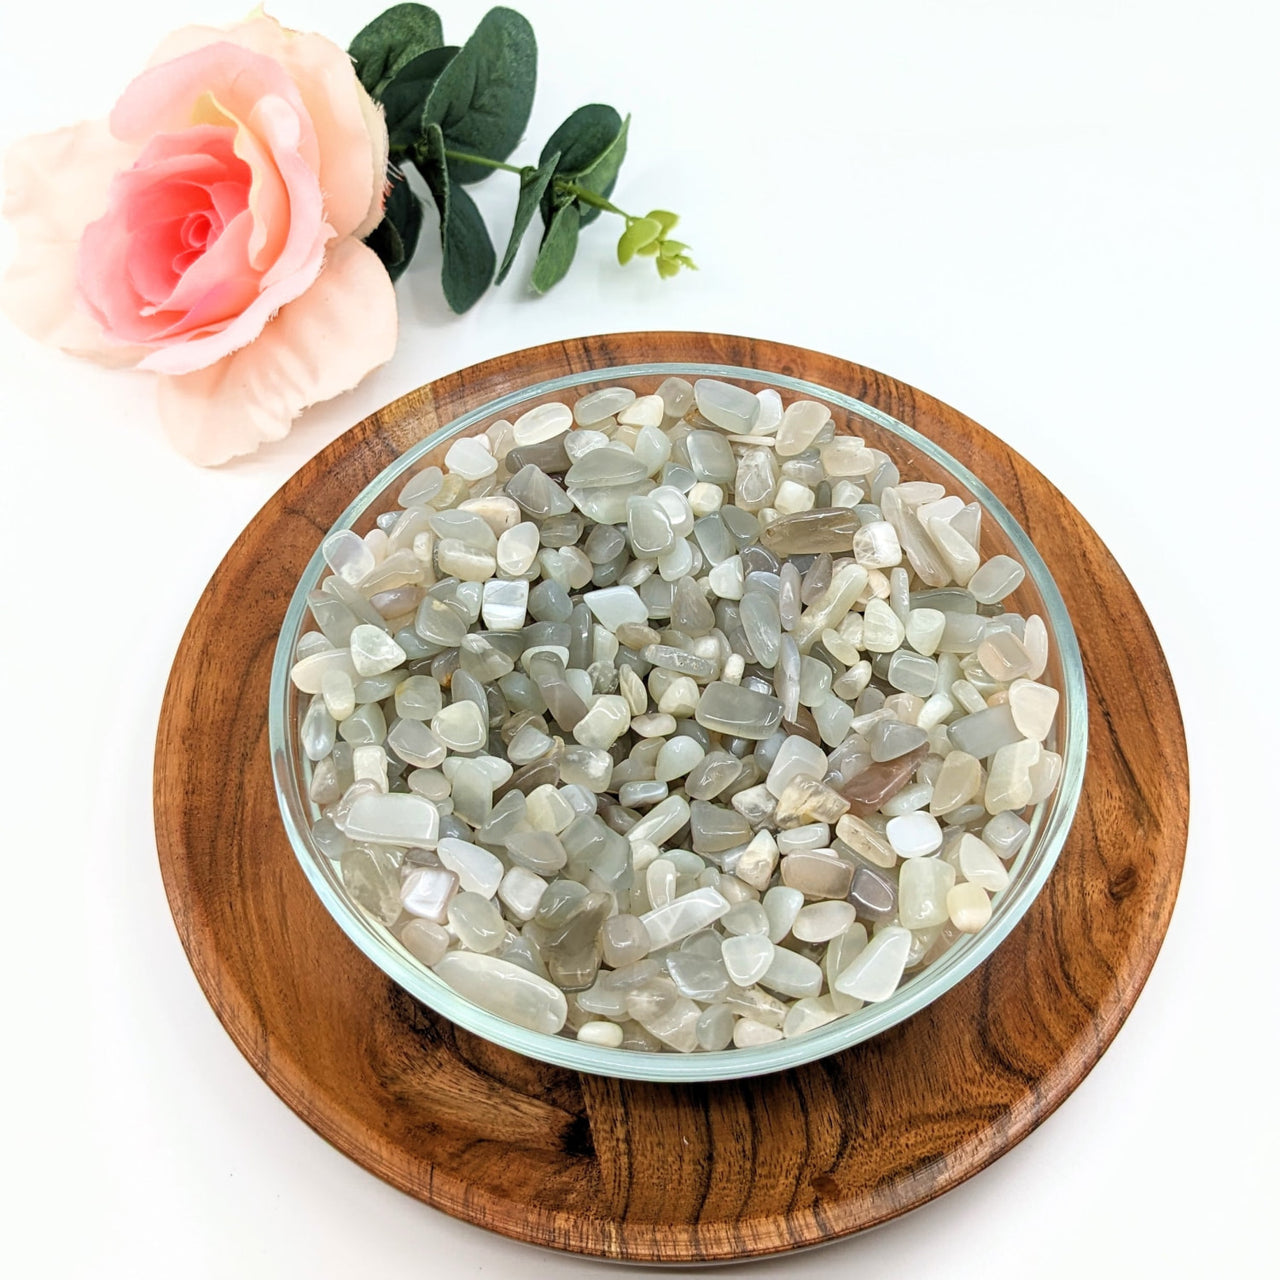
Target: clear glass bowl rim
x=1050, y=822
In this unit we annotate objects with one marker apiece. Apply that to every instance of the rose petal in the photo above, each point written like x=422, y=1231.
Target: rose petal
x=322, y=344
x=200, y=87
x=229, y=199
x=377, y=126
x=123, y=282
x=153, y=260
x=220, y=307
x=352, y=172
x=213, y=294
x=56, y=184
x=194, y=352
x=350, y=130
x=276, y=123
x=268, y=196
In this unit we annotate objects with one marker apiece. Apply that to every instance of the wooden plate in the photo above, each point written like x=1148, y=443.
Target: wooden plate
x=620, y=1169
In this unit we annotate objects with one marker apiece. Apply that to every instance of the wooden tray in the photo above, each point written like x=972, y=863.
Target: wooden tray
x=660, y=1173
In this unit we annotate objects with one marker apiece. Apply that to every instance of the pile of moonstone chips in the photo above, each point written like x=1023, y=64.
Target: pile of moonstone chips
x=673, y=722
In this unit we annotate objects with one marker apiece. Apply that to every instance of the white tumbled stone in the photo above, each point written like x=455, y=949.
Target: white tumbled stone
x=747, y=957
x=793, y=497
x=506, y=989
x=822, y=921
x=791, y=974
x=308, y=673
x=798, y=758
x=704, y=498
x=347, y=555
x=478, y=870
x=461, y=726
x=914, y=835
x=979, y=865
x=924, y=629
x=748, y=1033
x=542, y=422
x=968, y=906
x=373, y=651
x=607, y=1035
x=923, y=884
x=518, y=548
x=398, y=818
x=605, y=723
x=1009, y=783
x=643, y=411
x=1033, y=707
x=726, y=578
x=520, y=891
x=882, y=629
x=425, y=940
x=769, y=413
x=459, y=560
x=469, y=459
x=798, y=429
x=875, y=545
x=685, y=915
x=612, y=606
x=677, y=757
x=598, y=406
x=874, y=973
x=680, y=698
x=808, y=1014
x=504, y=604
x=782, y=904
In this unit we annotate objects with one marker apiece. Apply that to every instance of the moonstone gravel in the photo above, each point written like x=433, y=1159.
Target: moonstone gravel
x=673, y=722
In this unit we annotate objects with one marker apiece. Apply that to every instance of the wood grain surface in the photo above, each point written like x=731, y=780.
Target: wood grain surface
x=626, y=1170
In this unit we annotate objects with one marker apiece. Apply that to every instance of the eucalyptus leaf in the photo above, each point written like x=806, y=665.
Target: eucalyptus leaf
x=584, y=137
x=533, y=182
x=559, y=244
x=582, y=141
x=601, y=176
x=481, y=102
x=393, y=39
x=395, y=238
x=467, y=269
x=403, y=97
x=641, y=232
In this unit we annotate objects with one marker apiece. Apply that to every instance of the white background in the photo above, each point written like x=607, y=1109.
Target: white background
x=1061, y=218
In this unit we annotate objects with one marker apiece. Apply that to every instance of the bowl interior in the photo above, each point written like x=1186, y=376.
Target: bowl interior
x=917, y=458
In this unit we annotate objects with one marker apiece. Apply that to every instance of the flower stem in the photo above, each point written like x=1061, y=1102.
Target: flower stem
x=591, y=198
x=562, y=184
x=484, y=160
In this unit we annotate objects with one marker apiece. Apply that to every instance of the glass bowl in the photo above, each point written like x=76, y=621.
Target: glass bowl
x=918, y=458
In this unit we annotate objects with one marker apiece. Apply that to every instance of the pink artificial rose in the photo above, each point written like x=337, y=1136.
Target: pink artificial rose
x=210, y=231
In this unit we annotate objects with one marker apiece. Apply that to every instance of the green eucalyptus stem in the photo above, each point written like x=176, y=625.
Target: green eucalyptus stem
x=467, y=157
x=591, y=198
x=561, y=184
